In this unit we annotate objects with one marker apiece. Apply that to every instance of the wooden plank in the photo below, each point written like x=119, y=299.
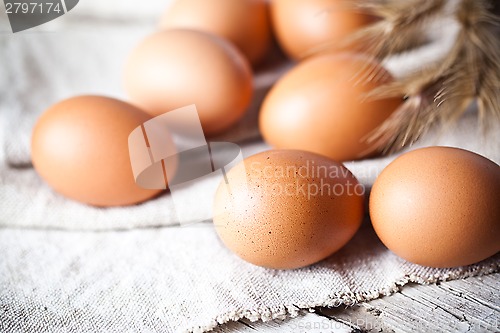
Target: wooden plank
x=484, y=290
x=466, y=311
x=306, y=322
x=456, y=306
x=468, y=305
x=404, y=313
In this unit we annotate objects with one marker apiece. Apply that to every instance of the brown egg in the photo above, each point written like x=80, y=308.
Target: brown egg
x=303, y=27
x=286, y=209
x=319, y=107
x=80, y=148
x=438, y=207
x=244, y=22
x=175, y=68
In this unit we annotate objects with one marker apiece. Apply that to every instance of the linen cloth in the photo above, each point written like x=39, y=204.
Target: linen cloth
x=68, y=267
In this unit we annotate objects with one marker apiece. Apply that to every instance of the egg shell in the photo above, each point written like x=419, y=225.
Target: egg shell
x=174, y=68
x=438, y=207
x=80, y=148
x=245, y=23
x=304, y=27
x=287, y=209
x=320, y=106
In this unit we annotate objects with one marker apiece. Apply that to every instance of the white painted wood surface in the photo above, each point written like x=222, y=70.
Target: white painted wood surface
x=468, y=305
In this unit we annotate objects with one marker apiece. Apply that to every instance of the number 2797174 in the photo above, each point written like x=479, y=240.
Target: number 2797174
x=32, y=7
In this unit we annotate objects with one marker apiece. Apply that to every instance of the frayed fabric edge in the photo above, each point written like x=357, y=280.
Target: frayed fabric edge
x=348, y=299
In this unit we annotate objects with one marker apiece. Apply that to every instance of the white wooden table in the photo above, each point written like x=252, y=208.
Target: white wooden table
x=468, y=305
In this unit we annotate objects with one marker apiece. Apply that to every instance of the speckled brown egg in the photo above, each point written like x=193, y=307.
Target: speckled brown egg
x=243, y=22
x=321, y=106
x=80, y=148
x=287, y=209
x=304, y=27
x=438, y=207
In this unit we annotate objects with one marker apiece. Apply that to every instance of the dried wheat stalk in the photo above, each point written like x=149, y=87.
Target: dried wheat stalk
x=441, y=92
